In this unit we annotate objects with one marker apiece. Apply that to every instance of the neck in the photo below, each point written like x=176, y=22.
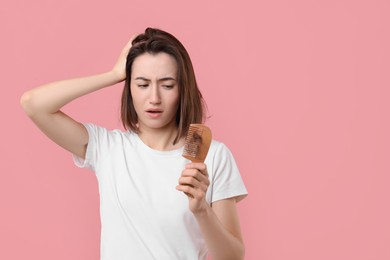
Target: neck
x=160, y=139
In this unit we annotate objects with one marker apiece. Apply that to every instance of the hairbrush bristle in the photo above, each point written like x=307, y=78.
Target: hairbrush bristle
x=193, y=141
x=197, y=143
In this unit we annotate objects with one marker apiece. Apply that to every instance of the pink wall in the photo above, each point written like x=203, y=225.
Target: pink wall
x=299, y=90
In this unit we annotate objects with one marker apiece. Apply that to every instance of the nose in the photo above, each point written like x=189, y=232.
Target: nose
x=155, y=97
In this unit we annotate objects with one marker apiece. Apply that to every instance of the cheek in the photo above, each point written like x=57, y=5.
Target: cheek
x=136, y=95
x=137, y=105
x=175, y=102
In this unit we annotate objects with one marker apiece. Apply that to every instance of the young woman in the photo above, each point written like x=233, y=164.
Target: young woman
x=154, y=204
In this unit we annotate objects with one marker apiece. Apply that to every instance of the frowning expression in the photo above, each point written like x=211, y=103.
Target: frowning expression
x=155, y=90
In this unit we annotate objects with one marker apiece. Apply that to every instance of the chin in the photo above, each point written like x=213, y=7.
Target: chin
x=155, y=125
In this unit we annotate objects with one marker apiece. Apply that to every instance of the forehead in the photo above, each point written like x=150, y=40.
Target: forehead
x=154, y=66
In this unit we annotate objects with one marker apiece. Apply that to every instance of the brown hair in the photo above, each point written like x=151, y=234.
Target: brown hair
x=191, y=104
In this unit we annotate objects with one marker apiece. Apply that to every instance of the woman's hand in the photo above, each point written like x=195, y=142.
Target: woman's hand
x=119, y=68
x=194, y=182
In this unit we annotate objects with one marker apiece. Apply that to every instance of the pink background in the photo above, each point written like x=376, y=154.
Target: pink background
x=299, y=90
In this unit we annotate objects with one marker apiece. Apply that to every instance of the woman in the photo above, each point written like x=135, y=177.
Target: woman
x=140, y=171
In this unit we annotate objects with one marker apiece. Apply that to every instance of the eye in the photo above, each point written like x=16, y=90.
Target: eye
x=168, y=86
x=143, y=86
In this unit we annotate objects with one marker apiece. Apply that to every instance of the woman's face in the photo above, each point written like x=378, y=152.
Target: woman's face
x=155, y=90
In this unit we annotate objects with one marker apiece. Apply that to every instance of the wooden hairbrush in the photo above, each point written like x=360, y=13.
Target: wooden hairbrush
x=197, y=143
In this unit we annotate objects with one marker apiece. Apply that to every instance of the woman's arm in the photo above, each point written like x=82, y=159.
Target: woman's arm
x=219, y=223
x=221, y=230
x=43, y=104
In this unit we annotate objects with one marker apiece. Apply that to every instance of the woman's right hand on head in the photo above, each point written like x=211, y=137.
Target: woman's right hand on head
x=120, y=66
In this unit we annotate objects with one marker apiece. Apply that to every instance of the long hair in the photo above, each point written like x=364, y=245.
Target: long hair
x=191, y=106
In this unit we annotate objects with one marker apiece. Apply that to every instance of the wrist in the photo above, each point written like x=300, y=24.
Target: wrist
x=203, y=212
x=117, y=76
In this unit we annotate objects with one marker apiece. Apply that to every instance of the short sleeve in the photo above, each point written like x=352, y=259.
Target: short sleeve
x=95, y=136
x=227, y=181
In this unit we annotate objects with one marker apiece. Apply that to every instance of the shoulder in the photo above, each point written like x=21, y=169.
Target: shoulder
x=101, y=129
x=218, y=148
x=103, y=134
x=219, y=155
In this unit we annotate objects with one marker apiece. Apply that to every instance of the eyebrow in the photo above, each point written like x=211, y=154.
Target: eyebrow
x=162, y=79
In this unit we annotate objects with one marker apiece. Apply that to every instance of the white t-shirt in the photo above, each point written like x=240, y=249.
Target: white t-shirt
x=143, y=216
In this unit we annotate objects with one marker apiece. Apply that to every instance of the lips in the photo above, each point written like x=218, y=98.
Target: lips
x=154, y=113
